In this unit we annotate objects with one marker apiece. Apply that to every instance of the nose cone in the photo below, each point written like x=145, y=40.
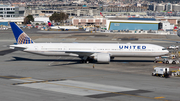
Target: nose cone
x=166, y=51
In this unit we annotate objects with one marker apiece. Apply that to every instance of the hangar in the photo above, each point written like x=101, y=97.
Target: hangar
x=133, y=24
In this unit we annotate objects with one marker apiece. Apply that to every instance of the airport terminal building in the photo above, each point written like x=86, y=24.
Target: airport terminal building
x=133, y=24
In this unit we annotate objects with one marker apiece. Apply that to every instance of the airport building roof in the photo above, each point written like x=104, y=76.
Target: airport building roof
x=132, y=25
x=149, y=19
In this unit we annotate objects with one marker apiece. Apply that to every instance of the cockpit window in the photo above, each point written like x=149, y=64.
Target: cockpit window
x=164, y=49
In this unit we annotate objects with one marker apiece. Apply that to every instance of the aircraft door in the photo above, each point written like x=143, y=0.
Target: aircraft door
x=36, y=47
x=65, y=48
x=94, y=48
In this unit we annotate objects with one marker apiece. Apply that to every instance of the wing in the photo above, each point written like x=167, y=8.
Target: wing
x=81, y=53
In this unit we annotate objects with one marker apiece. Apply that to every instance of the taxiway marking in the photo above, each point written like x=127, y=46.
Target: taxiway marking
x=159, y=97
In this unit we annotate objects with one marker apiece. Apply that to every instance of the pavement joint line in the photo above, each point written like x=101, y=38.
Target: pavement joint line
x=37, y=81
x=75, y=77
x=87, y=76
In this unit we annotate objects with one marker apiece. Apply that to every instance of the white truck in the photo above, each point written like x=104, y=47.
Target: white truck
x=161, y=72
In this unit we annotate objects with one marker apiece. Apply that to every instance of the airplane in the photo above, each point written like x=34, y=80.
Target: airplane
x=64, y=27
x=101, y=52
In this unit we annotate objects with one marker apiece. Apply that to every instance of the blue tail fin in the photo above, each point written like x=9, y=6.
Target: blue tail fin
x=20, y=36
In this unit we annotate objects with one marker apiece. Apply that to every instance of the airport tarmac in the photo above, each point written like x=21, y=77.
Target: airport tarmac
x=29, y=77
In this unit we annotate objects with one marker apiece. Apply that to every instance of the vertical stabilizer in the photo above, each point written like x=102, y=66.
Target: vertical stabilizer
x=20, y=36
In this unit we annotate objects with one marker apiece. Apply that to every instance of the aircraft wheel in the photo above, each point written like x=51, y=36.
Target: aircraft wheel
x=173, y=62
x=82, y=61
x=167, y=62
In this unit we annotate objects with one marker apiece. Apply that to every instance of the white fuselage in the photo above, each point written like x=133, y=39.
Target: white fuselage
x=89, y=49
x=64, y=27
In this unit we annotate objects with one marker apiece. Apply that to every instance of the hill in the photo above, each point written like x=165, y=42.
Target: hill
x=171, y=1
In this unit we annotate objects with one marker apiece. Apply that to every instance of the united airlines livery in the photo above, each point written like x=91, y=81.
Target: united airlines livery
x=102, y=52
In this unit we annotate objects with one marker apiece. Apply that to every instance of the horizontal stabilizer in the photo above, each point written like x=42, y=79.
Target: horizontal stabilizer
x=16, y=47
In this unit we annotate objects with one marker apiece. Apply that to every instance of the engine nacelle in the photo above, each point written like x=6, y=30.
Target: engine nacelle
x=102, y=57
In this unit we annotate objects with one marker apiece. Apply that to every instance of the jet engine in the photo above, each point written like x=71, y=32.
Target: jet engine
x=102, y=57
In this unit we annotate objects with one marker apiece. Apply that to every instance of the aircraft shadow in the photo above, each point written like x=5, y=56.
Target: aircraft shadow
x=132, y=60
x=70, y=60
x=66, y=64
x=7, y=51
x=28, y=59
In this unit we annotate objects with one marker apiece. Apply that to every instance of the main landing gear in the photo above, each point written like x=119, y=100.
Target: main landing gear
x=86, y=59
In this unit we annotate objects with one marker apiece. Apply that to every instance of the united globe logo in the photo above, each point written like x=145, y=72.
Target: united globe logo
x=24, y=39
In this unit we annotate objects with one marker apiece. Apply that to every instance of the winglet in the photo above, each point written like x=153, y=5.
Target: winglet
x=20, y=36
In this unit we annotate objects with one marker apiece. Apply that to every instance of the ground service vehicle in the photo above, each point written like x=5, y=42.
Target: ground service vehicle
x=161, y=72
x=173, y=47
x=170, y=61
